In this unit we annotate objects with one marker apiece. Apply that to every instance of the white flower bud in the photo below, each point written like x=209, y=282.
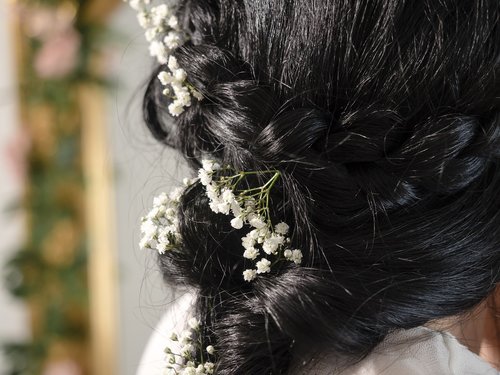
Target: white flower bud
x=281, y=228
x=249, y=275
x=237, y=223
x=210, y=350
x=187, y=350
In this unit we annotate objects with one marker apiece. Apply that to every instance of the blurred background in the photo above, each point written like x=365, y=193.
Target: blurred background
x=77, y=170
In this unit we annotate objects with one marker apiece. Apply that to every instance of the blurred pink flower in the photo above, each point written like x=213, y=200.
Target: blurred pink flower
x=58, y=55
x=16, y=153
x=64, y=367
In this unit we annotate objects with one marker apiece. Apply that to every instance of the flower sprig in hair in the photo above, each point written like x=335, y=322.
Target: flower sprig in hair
x=265, y=244
x=159, y=227
x=181, y=357
x=164, y=34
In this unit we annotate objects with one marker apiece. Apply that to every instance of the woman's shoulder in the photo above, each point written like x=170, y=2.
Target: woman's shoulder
x=417, y=351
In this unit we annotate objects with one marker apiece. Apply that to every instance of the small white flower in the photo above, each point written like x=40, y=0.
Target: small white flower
x=263, y=234
x=257, y=222
x=236, y=210
x=170, y=358
x=249, y=275
x=175, y=109
x=173, y=40
x=212, y=190
x=210, y=350
x=228, y=195
x=288, y=254
x=194, y=323
x=197, y=94
x=210, y=165
x=176, y=194
x=162, y=247
x=180, y=75
x=188, y=181
x=165, y=78
x=157, y=49
x=161, y=199
x=224, y=208
x=214, y=206
x=187, y=350
x=149, y=229
x=172, y=63
x=145, y=243
x=205, y=177
x=271, y=244
x=209, y=367
x=297, y=256
x=248, y=241
x=182, y=97
x=189, y=371
x=152, y=33
x=263, y=266
x=143, y=19
x=254, y=234
x=159, y=14
x=171, y=214
x=200, y=369
x=237, y=223
x=186, y=336
x=251, y=253
x=281, y=228
x=173, y=22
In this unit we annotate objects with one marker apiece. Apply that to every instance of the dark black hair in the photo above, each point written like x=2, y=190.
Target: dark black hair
x=383, y=117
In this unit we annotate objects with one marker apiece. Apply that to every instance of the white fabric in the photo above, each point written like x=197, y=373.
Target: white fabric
x=174, y=320
x=419, y=351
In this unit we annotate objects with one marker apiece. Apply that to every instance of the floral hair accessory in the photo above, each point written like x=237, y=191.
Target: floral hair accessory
x=159, y=227
x=181, y=356
x=164, y=35
x=264, y=245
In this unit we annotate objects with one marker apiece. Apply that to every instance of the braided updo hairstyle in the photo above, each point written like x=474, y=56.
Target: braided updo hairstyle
x=383, y=117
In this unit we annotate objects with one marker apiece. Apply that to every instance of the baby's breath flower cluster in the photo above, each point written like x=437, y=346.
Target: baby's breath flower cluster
x=164, y=34
x=159, y=228
x=265, y=244
x=181, y=357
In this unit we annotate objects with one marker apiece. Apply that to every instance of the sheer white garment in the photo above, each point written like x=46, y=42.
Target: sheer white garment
x=419, y=351
x=174, y=320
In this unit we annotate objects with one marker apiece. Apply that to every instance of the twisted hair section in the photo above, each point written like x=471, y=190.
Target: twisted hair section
x=383, y=118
